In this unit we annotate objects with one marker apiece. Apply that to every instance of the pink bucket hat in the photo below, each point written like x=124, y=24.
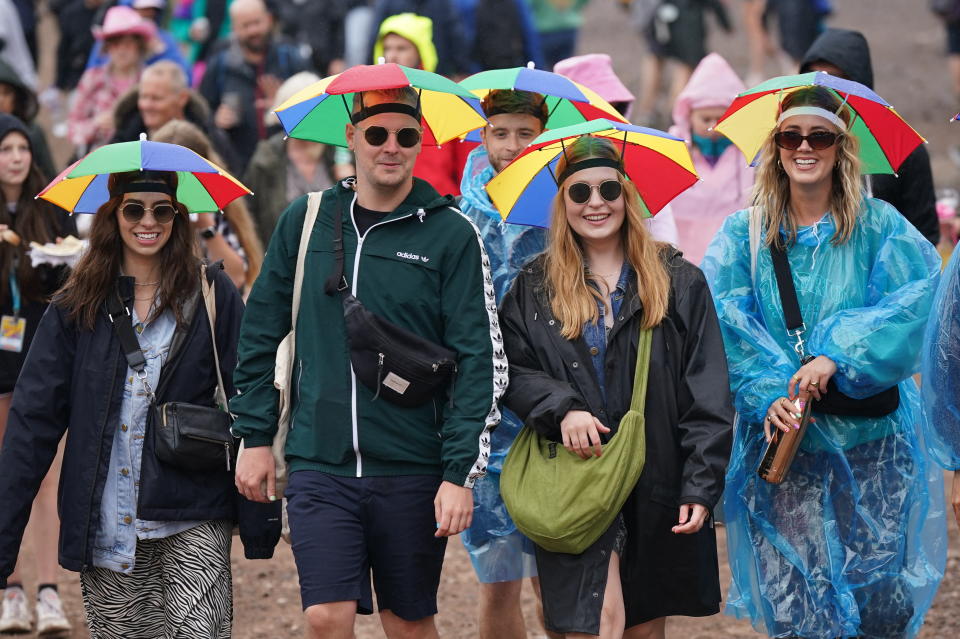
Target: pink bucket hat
x=595, y=71
x=122, y=20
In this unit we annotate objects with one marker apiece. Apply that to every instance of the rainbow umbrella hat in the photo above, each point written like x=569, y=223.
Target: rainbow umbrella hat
x=657, y=163
x=321, y=111
x=885, y=138
x=202, y=186
x=568, y=102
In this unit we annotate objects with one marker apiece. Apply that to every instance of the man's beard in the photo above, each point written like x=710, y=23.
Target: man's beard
x=258, y=44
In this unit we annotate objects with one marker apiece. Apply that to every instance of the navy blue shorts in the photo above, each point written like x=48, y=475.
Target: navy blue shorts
x=342, y=528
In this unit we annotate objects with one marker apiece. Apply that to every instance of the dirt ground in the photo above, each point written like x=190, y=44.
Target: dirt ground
x=907, y=44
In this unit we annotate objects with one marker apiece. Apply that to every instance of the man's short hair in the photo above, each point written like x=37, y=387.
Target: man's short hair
x=403, y=95
x=510, y=101
x=169, y=70
x=407, y=96
x=238, y=6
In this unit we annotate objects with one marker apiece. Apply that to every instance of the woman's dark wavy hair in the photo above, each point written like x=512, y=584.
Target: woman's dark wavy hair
x=95, y=276
x=35, y=221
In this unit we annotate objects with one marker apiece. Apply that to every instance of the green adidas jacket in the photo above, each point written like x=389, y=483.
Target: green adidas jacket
x=424, y=268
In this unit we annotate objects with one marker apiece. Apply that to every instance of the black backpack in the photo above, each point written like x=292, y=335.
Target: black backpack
x=499, y=36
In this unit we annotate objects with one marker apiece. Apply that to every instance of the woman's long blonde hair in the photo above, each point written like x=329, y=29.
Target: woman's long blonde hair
x=771, y=190
x=186, y=134
x=573, y=301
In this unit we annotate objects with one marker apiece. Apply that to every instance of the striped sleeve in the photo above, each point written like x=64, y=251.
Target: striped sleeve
x=469, y=307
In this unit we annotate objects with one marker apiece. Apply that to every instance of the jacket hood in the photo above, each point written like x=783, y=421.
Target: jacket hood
x=476, y=174
x=26, y=98
x=416, y=29
x=422, y=197
x=845, y=49
x=713, y=84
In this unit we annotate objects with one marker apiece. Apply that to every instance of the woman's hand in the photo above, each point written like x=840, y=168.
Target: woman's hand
x=811, y=379
x=692, y=517
x=782, y=415
x=581, y=433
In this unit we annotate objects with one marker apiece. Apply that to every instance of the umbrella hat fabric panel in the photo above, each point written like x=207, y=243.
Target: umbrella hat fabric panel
x=885, y=137
x=202, y=186
x=321, y=111
x=658, y=164
x=568, y=102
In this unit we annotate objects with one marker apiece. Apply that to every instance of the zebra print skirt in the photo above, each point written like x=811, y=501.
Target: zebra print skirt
x=180, y=588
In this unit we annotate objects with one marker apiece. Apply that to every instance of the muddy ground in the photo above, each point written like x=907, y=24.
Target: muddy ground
x=907, y=45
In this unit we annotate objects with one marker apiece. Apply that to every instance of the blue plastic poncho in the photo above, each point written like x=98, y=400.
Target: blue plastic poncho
x=498, y=550
x=940, y=371
x=853, y=542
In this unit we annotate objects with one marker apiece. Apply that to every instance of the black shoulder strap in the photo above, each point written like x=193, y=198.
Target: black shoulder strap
x=337, y=282
x=788, y=294
x=122, y=321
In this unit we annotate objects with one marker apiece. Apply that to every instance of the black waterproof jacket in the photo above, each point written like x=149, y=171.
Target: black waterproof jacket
x=911, y=190
x=689, y=415
x=72, y=381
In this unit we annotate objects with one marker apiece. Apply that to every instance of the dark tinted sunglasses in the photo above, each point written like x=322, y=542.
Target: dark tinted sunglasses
x=407, y=137
x=133, y=212
x=580, y=192
x=818, y=140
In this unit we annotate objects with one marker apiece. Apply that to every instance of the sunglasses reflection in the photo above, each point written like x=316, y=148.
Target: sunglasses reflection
x=133, y=212
x=407, y=137
x=818, y=140
x=579, y=192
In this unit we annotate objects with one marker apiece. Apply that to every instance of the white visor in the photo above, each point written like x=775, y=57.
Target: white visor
x=833, y=118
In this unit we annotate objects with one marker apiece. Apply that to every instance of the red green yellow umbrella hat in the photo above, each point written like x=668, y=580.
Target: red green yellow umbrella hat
x=885, y=137
x=568, y=102
x=202, y=186
x=321, y=111
x=657, y=163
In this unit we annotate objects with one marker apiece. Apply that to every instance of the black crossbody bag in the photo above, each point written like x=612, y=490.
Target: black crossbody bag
x=833, y=402
x=190, y=436
x=395, y=363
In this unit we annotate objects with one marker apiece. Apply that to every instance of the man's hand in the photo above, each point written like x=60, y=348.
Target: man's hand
x=453, y=509
x=225, y=117
x=256, y=474
x=692, y=517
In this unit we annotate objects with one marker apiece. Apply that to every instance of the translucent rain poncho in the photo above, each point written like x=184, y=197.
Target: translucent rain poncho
x=941, y=370
x=853, y=542
x=499, y=551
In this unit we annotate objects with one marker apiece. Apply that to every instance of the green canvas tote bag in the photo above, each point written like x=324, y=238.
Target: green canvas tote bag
x=564, y=503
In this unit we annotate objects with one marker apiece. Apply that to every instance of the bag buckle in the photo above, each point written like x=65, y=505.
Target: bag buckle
x=798, y=333
x=142, y=376
x=343, y=284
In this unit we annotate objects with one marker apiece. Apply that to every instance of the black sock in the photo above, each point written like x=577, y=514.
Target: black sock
x=52, y=587
x=14, y=584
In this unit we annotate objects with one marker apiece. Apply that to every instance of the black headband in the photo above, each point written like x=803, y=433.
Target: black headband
x=588, y=164
x=147, y=187
x=386, y=107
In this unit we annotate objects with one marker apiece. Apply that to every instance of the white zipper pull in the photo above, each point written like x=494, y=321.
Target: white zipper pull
x=421, y=214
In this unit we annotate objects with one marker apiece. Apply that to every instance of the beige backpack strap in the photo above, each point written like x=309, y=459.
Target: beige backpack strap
x=313, y=207
x=210, y=301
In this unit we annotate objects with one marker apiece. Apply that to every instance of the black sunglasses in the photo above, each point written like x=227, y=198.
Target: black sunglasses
x=133, y=212
x=407, y=137
x=818, y=140
x=580, y=192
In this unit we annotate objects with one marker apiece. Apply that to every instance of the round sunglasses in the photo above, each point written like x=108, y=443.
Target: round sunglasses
x=579, y=192
x=133, y=212
x=818, y=140
x=407, y=137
